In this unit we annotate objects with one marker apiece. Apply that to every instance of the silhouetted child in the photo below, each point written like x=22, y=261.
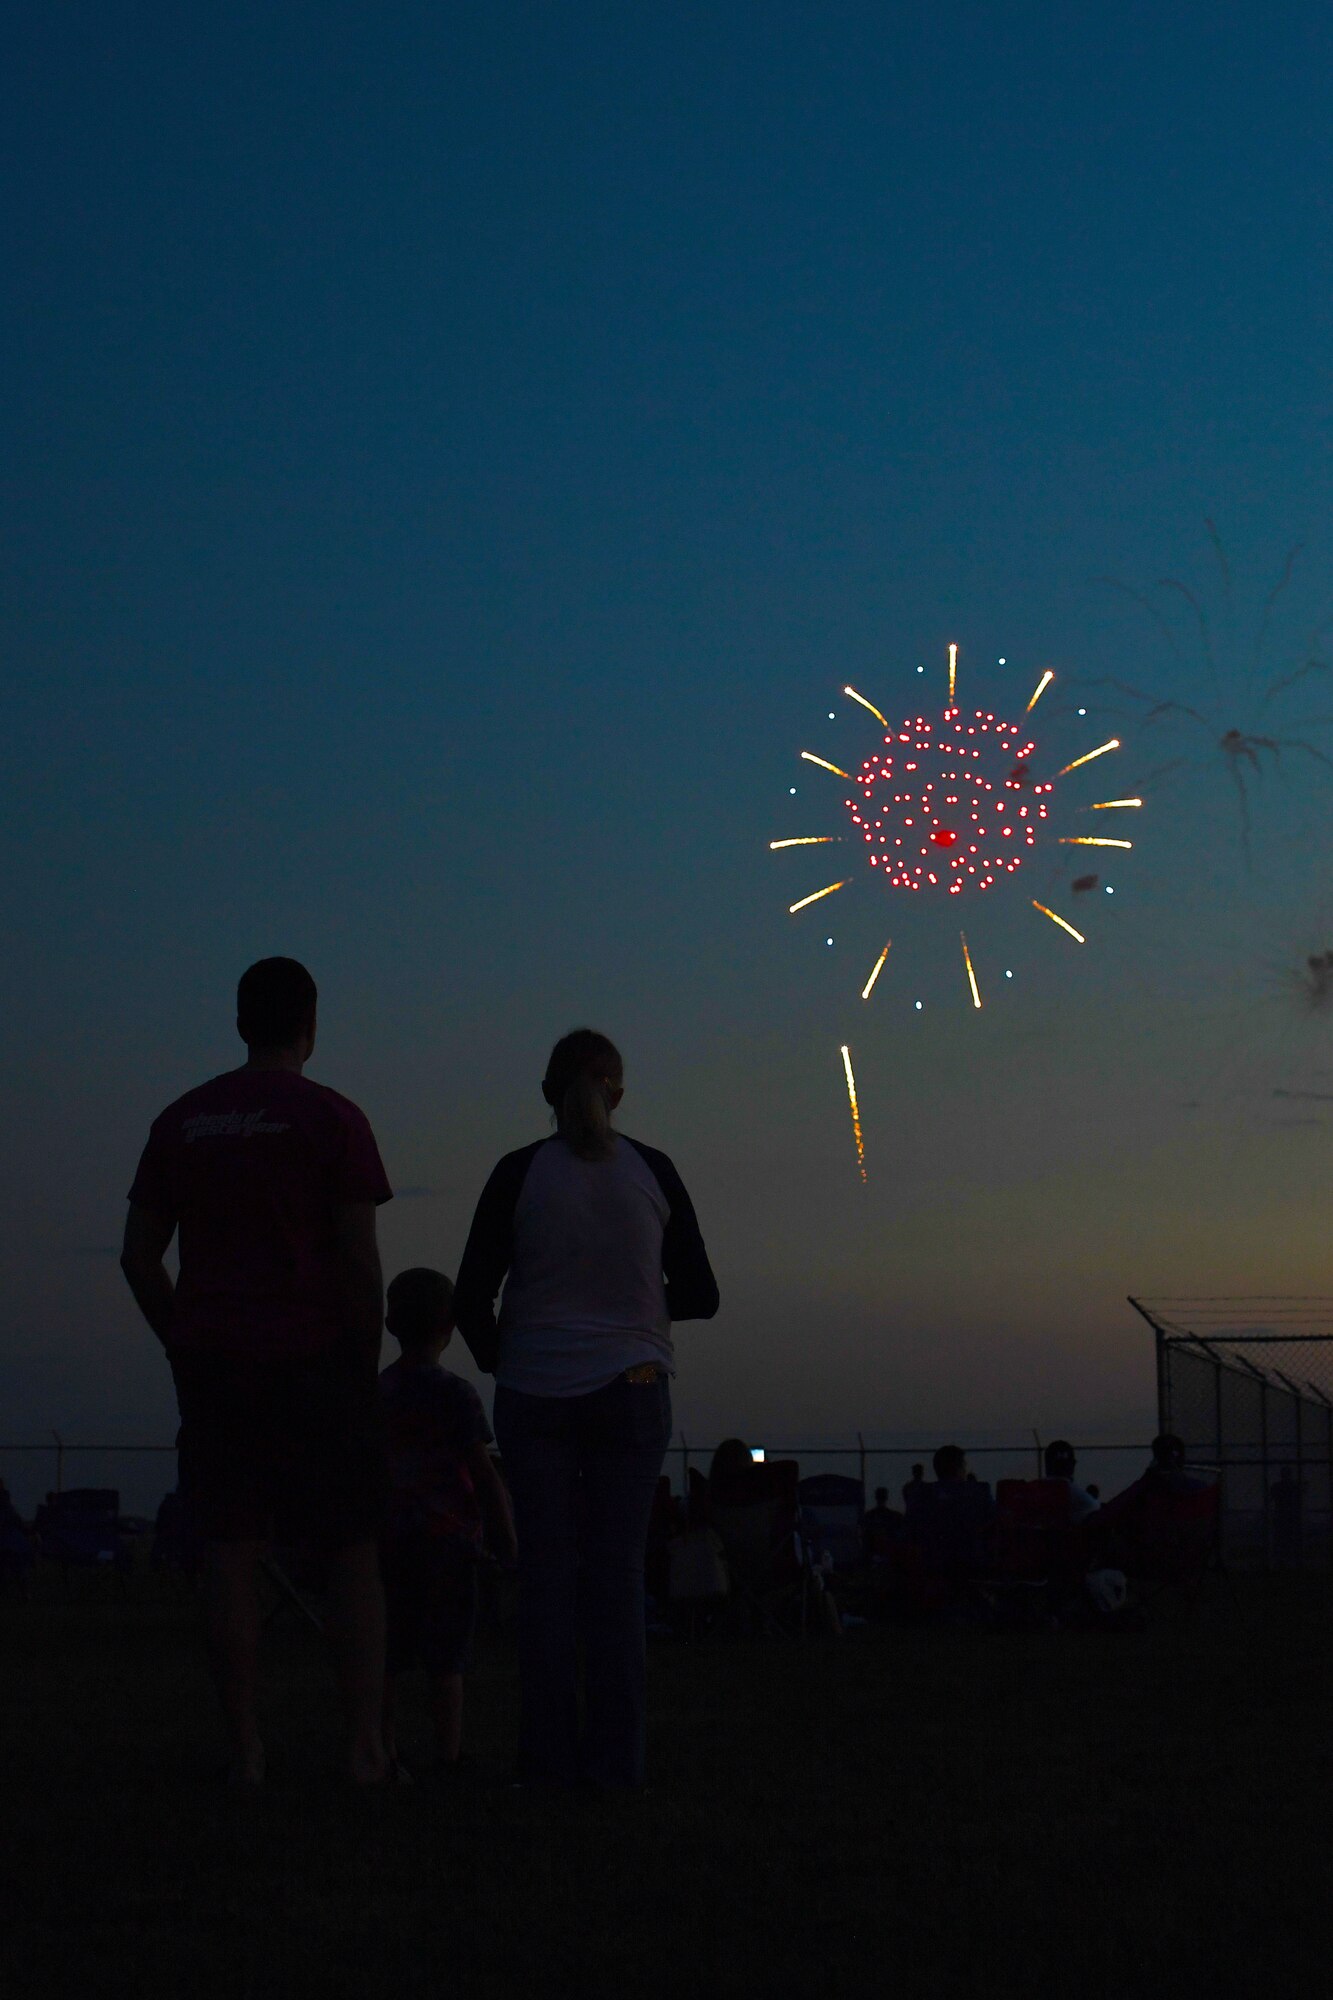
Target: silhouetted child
x=445, y=1491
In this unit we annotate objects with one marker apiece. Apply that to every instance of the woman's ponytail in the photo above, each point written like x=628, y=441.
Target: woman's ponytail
x=577, y=1088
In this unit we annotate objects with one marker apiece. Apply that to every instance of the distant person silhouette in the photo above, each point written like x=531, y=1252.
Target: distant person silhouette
x=912, y=1489
x=445, y=1492
x=596, y=1243
x=1287, y=1496
x=273, y=1332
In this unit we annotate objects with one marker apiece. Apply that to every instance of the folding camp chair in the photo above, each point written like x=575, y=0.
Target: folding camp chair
x=765, y=1555
x=831, y=1509
x=16, y=1551
x=832, y=1506
x=176, y=1541
x=950, y=1528
x=1173, y=1540
x=80, y=1529
x=1037, y=1552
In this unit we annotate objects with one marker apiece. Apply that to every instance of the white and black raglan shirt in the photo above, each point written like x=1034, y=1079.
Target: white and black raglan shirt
x=597, y=1258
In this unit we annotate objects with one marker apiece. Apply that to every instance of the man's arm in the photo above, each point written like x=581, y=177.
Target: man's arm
x=361, y=1276
x=496, y=1511
x=147, y=1235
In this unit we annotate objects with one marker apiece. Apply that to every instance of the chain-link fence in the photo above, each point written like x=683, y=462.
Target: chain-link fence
x=1248, y=1384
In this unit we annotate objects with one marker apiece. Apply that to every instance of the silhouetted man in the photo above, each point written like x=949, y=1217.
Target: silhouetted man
x=881, y=1528
x=1061, y=1462
x=1119, y=1527
x=273, y=1334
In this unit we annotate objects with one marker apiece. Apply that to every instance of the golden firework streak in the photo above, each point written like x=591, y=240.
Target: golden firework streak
x=971, y=976
x=1089, y=840
x=824, y=764
x=1088, y=756
x=856, y=1109
x=867, y=704
x=792, y=908
x=1076, y=935
x=1040, y=689
x=953, y=674
x=877, y=969
x=804, y=840
x=1108, y=805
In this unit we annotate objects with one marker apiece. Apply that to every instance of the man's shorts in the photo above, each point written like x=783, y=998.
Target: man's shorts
x=430, y=1594
x=282, y=1450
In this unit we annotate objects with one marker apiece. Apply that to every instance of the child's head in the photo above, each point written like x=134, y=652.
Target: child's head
x=419, y=1310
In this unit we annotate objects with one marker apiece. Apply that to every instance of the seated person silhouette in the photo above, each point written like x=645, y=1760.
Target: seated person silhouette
x=882, y=1528
x=1060, y=1463
x=735, y=1479
x=1124, y=1527
x=950, y=1518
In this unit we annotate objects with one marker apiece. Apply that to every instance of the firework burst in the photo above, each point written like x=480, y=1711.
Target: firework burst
x=950, y=807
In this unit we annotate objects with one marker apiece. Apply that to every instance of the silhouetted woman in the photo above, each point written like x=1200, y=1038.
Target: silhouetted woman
x=597, y=1244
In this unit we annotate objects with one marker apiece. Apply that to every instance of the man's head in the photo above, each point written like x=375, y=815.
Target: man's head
x=950, y=1462
x=1060, y=1459
x=419, y=1311
x=1168, y=1452
x=881, y=1496
x=275, y=1008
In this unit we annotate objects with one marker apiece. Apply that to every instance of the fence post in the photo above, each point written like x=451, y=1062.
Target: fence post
x=1036, y=1435
x=1298, y=1540
x=1299, y=1507
x=1268, y=1494
x=60, y=1461
x=861, y=1455
x=1222, y=1480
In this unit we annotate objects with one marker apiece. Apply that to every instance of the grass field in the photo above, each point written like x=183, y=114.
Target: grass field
x=953, y=1813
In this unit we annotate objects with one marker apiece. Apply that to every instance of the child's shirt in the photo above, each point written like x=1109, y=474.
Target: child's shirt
x=433, y=1418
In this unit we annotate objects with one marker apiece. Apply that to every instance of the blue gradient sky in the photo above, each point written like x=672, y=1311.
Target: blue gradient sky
x=450, y=466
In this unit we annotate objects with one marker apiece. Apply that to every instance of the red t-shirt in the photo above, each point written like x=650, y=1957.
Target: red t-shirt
x=252, y=1168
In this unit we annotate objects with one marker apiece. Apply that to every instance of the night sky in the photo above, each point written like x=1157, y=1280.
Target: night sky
x=453, y=460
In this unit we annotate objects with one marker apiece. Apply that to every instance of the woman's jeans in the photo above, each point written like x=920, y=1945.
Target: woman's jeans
x=583, y=1471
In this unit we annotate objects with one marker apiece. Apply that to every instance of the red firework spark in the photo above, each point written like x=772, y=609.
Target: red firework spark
x=949, y=806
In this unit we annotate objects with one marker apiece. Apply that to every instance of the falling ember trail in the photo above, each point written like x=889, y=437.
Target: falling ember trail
x=867, y=704
x=824, y=764
x=1089, y=840
x=803, y=840
x=953, y=674
x=875, y=972
x=1108, y=805
x=1088, y=756
x=856, y=1109
x=792, y=908
x=1040, y=689
x=971, y=976
x=1078, y=935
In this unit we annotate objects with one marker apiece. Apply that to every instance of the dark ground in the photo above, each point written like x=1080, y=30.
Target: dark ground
x=918, y=1811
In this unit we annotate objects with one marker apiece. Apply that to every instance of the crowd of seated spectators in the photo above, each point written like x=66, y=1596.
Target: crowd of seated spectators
x=745, y=1538
x=949, y=1550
